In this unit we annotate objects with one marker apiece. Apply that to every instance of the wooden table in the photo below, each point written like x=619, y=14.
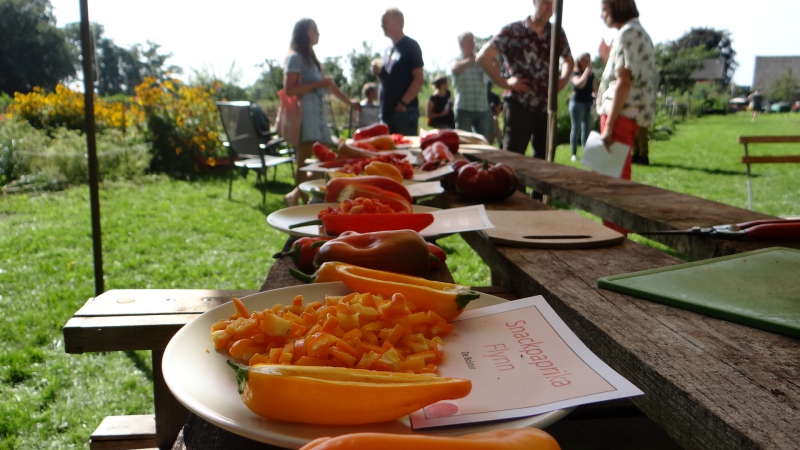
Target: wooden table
x=635, y=206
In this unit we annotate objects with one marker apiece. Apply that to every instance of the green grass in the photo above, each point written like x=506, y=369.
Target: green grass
x=164, y=233
x=157, y=233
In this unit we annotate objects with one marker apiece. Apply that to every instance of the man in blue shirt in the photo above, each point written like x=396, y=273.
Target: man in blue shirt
x=401, y=77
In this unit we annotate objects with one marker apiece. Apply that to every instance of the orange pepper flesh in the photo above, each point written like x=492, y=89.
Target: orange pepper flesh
x=357, y=331
x=502, y=439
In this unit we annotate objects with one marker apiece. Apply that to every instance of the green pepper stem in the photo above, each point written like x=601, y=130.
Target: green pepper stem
x=317, y=245
x=241, y=374
x=304, y=224
x=433, y=258
x=464, y=297
x=293, y=253
x=305, y=278
x=485, y=164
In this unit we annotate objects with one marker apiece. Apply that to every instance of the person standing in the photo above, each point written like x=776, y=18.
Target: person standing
x=471, y=106
x=401, y=77
x=439, y=109
x=525, y=46
x=755, y=103
x=581, y=103
x=304, y=78
x=626, y=96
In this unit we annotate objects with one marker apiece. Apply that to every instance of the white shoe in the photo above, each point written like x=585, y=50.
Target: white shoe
x=574, y=158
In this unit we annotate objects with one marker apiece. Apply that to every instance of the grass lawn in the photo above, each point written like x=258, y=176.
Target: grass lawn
x=164, y=233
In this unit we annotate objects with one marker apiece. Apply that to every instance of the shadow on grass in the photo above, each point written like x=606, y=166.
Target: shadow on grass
x=140, y=364
x=701, y=169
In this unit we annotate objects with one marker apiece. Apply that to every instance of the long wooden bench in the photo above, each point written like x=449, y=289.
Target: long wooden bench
x=747, y=159
x=635, y=206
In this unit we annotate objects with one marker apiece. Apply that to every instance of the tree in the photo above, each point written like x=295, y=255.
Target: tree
x=229, y=84
x=269, y=82
x=361, y=69
x=332, y=67
x=675, y=65
x=33, y=51
x=785, y=88
x=717, y=41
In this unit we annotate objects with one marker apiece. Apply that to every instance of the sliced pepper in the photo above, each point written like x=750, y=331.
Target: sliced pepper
x=336, y=185
x=384, y=169
x=393, y=200
x=501, y=439
x=336, y=224
x=339, y=396
x=403, y=251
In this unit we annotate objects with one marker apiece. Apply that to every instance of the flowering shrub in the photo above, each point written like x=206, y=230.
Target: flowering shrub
x=181, y=123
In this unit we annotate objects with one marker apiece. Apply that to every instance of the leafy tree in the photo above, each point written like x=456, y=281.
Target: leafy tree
x=269, y=82
x=33, y=51
x=717, y=41
x=227, y=87
x=675, y=65
x=361, y=69
x=332, y=67
x=785, y=88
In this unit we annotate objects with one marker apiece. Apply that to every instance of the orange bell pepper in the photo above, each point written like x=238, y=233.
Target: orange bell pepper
x=339, y=396
x=502, y=439
x=383, y=169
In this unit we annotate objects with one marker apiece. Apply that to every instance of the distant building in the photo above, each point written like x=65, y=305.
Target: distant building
x=713, y=71
x=769, y=68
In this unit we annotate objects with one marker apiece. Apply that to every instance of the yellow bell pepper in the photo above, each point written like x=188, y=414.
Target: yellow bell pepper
x=339, y=396
x=383, y=169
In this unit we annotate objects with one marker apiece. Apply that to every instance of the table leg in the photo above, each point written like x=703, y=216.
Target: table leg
x=170, y=413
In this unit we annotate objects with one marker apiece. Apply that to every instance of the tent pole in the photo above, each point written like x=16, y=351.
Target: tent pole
x=91, y=144
x=552, y=87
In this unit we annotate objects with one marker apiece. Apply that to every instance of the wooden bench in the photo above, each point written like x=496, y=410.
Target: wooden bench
x=635, y=206
x=747, y=159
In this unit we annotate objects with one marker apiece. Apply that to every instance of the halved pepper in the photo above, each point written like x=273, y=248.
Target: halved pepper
x=403, y=251
x=339, y=396
x=393, y=200
x=335, y=186
x=445, y=299
x=384, y=169
x=336, y=224
x=501, y=439
x=382, y=142
x=376, y=129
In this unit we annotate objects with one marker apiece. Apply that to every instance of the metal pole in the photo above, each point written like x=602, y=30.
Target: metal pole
x=552, y=88
x=88, y=101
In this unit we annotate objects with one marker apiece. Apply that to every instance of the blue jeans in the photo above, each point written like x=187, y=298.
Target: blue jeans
x=580, y=114
x=479, y=122
x=405, y=123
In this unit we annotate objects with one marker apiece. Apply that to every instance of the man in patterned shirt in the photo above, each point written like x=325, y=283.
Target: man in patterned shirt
x=472, y=104
x=525, y=46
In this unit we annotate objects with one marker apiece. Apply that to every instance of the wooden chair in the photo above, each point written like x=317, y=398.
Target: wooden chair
x=747, y=159
x=247, y=148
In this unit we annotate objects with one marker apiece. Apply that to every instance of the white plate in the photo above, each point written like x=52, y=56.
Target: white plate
x=200, y=379
x=282, y=218
x=416, y=189
x=410, y=156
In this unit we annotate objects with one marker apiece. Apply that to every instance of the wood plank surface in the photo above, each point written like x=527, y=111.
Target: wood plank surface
x=709, y=383
x=635, y=206
x=768, y=139
x=770, y=159
x=129, y=302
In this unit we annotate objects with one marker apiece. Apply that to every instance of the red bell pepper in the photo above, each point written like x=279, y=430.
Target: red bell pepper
x=437, y=151
x=482, y=182
x=303, y=252
x=429, y=166
x=335, y=186
x=375, y=129
x=448, y=137
x=436, y=255
x=322, y=152
x=336, y=224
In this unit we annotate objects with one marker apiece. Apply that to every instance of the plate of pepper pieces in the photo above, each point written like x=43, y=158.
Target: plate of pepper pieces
x=201, y=379
x=309, y=218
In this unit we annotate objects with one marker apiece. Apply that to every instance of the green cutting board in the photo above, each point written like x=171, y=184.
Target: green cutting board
x=760, y=289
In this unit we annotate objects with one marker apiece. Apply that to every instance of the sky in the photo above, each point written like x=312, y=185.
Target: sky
x=213, y=35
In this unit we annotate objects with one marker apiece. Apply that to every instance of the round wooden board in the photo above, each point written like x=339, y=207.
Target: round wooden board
x=549, y=229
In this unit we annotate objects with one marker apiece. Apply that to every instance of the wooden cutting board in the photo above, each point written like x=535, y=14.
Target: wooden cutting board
x=549, y=229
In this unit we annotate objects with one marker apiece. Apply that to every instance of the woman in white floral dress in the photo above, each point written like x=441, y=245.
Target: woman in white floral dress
x=626, y=96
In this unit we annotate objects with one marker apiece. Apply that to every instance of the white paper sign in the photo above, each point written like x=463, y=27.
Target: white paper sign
x=424, y=188
x=457, y=220
x=421, y=175
x=522, y=360
x=601, y=160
